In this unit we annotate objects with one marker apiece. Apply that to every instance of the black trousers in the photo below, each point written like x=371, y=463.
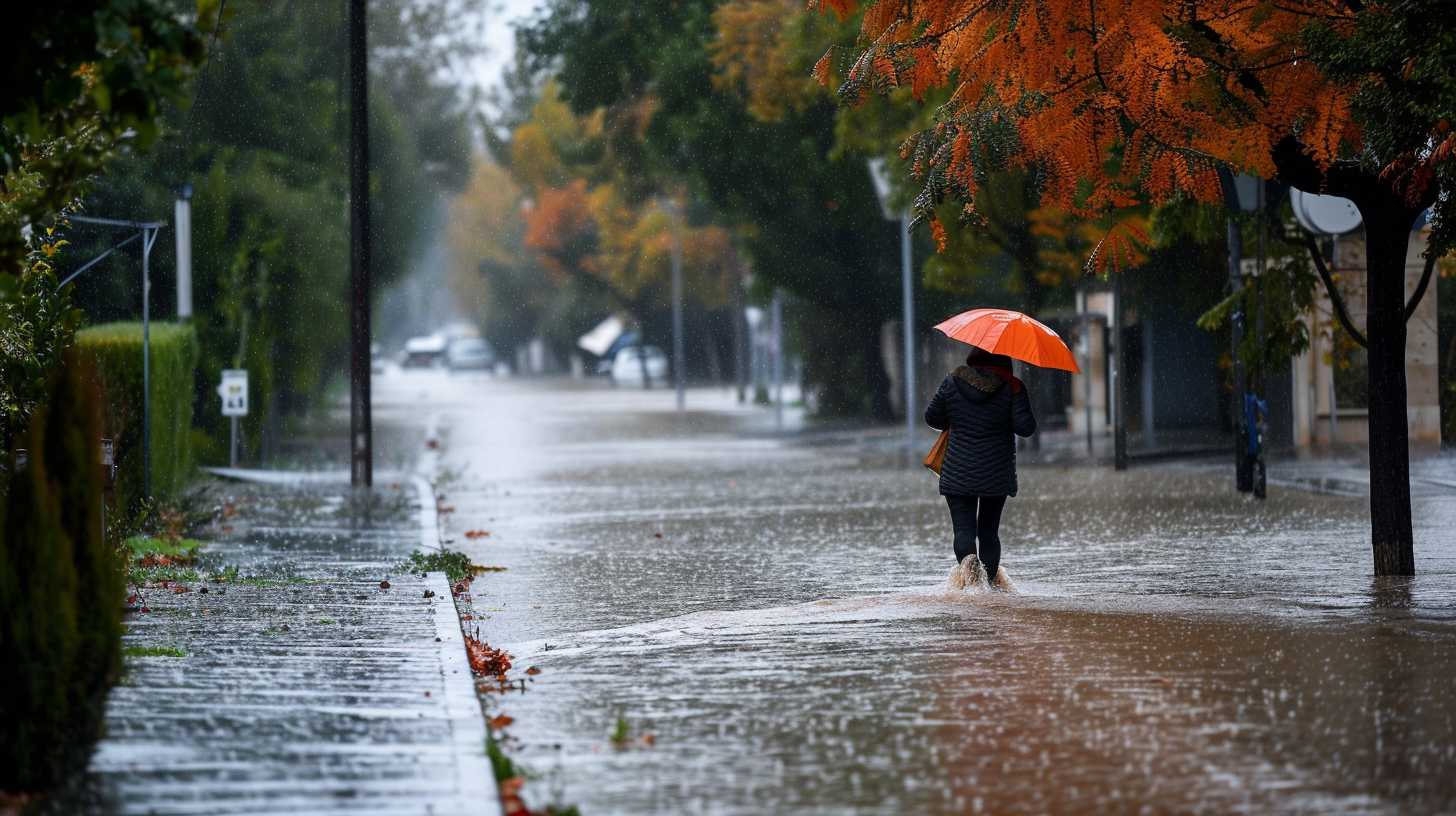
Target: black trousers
x=977, y=517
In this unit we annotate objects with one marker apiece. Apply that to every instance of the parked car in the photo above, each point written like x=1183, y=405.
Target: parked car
x=628, y=365
x=423, y=352
x=470, y=353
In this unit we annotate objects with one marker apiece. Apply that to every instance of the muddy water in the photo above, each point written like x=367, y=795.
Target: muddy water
x=774, y=613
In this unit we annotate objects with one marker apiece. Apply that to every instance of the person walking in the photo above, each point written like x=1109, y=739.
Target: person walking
x=982, y=405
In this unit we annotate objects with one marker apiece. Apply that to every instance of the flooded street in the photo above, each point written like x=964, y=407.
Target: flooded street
x=773, y=610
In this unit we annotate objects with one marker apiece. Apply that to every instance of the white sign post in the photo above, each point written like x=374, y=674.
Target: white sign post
x=234, y=393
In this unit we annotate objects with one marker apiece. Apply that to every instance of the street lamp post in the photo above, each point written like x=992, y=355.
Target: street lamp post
x=679, y=357
x=880, y=175
x=183, y=221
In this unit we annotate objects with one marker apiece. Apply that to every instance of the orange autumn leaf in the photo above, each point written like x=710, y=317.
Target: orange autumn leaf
x=501, y=721
x=1113, y=104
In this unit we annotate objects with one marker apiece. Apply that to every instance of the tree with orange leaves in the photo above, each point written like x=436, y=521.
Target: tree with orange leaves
x=1115, y=104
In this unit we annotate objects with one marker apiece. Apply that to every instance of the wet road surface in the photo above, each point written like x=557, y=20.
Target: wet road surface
x=774, y=611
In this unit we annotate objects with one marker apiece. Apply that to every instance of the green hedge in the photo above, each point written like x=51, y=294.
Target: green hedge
x=61, y=591
x=115, y=349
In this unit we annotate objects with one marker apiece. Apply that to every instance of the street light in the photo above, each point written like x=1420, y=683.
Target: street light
x=679, y=356
x=880, y=175
x=183, y=220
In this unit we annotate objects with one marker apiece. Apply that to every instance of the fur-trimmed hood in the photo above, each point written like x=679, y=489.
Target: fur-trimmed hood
x=979, y=383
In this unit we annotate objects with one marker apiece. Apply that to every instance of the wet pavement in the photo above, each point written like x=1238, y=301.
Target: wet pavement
x=279, y=675
x=774, y=612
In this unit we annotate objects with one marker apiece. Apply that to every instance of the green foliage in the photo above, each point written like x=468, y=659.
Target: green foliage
x=1397, y=57
x=84, y=81
x=500, y=764
x=36, y=324
x=153, y=651
x=60, y=591
x=142, y=546
x=455, y=565
x=115, y=349
x=1285, y=292
x=621, y=731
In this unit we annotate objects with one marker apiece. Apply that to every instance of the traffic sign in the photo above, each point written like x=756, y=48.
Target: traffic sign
x=234, y=392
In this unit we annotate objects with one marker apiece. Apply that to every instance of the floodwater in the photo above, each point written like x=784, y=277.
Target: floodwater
x=774, y=612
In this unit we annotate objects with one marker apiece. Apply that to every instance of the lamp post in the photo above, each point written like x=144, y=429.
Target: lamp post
x=880, y=175
x=679, y=356
x=183, y=220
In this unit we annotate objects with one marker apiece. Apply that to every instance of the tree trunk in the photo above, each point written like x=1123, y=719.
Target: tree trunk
x=1387, y=233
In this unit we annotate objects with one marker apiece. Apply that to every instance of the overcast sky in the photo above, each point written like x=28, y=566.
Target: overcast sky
x=500, y=40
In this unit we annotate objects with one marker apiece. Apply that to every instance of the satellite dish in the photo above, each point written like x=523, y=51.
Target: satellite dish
x=1326, y=214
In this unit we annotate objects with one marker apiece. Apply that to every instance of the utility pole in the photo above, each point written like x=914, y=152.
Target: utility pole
x=147, y=241
x=907, y=317
x=1260, y=407
x=740, y=378
x=777, y=322
x=1119, y=380
x=679, y=358
x=361, y=432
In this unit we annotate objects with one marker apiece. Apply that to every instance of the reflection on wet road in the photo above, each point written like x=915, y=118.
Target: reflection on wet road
x=775, y=613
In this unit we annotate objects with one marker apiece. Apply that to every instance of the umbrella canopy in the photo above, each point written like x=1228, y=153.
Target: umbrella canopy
x=1003, y=331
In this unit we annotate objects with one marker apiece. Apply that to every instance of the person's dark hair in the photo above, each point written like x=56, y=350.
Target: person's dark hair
x=981, y=357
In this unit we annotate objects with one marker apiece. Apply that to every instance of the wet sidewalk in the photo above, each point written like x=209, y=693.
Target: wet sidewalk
x=297, y=669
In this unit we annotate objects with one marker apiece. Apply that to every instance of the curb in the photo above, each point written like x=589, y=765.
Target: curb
x=474, y=777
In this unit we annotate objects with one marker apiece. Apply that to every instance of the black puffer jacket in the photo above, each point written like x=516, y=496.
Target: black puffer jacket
x=982, y=411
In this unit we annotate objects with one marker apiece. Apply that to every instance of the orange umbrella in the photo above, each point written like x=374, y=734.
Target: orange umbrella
x=1003, y=331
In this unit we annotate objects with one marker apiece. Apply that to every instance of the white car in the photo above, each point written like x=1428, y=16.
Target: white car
x=470, y=352
x=423, y=352
x=628, y=365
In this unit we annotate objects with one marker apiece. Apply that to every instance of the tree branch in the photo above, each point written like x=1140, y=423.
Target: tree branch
x=1337, y=300
x=1420, y=292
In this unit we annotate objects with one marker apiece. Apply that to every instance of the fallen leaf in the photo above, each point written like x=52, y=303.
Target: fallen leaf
x=432, y=444
x=501, y=721
x=486, y=661
x=477, y=534
x=533, y=670
x=477, y=568
x=384, y=585
x=429, y=593
x=649, y=739
x=657, y=535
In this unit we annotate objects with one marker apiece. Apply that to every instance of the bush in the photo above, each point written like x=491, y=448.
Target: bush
x=61, y=590
x=116, y=351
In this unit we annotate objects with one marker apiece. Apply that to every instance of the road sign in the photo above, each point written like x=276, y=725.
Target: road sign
x=234, y=392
